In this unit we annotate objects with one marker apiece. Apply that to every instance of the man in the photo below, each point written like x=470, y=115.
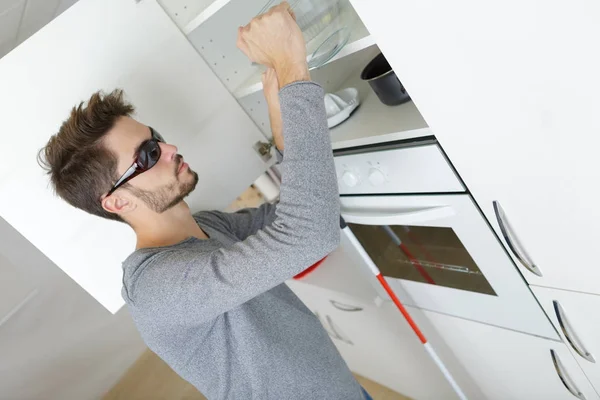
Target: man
x=206, y=291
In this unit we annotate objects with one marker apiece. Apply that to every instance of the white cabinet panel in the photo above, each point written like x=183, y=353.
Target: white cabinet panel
x=60, y=344
x=182, y=12
x=14, y=290
x=377, y=343
x=37, y=14
x=575, y=316
x=63, y=345
x=383, y=347
x=8, y=4
x=9, y=25
x=510, y=365
x=511, y=91
x=173, y=90
x=63, y=6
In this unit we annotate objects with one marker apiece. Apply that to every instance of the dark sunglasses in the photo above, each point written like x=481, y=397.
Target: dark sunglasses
x=147, y=156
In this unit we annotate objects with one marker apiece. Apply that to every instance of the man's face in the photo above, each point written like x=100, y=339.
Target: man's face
x=165, y=184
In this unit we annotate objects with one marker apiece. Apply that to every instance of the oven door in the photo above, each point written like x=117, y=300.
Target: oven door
x=439, y=253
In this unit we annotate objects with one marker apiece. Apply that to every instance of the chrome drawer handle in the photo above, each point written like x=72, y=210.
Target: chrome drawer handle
x=335, y=331
x=569, y=333
x=564, y=378
x=344, y=307
x=512, y=241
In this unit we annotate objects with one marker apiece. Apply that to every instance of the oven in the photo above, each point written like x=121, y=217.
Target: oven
x=409, y=212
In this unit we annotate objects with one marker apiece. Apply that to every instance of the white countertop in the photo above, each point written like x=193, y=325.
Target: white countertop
x=374, y=122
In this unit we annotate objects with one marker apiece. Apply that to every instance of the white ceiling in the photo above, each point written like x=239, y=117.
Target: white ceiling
x=19, y=19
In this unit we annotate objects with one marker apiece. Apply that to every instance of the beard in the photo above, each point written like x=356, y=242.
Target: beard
x=169, y=195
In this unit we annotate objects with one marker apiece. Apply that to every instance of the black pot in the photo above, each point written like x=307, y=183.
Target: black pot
x=384, y=82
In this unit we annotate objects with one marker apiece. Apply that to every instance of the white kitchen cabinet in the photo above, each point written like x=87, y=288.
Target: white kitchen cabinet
x=575, y=316
x=56, y=342
x=100, y=44
x=487, y=361
x=510, y=365
x=377, y=343
x=511, y=91
x=15, y=289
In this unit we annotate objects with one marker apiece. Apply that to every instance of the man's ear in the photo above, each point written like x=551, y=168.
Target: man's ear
x=117, y=204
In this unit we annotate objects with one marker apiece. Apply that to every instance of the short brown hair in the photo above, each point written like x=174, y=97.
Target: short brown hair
x=81, y=168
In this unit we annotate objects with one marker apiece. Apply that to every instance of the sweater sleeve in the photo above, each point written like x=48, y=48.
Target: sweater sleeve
x=304, y=227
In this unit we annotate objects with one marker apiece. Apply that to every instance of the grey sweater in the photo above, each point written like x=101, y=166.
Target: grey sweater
x=217, y=310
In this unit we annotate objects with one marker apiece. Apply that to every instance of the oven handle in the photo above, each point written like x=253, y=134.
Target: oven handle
x=396, y=216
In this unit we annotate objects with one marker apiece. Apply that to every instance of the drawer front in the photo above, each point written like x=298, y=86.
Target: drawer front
x=575, y=316
x=421, y=169
x=508, y=365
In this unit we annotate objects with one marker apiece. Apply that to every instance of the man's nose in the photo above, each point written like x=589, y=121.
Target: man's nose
x=169, y=151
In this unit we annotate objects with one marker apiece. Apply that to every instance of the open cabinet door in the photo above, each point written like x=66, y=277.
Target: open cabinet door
x=105, y=44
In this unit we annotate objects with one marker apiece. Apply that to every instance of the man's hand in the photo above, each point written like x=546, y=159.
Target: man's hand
x=275, y=40
x=271, y=92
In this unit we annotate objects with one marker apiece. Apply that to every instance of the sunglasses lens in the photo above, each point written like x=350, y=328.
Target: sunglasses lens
x=157, y=136
x=149, y=155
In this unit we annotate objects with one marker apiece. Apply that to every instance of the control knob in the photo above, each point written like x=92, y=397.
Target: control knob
x=376, y=177
x=350, y=179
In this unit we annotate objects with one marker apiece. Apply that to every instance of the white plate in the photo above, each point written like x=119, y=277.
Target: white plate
x=340, y=105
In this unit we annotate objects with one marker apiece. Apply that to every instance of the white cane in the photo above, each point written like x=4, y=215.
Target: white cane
x=430, y=350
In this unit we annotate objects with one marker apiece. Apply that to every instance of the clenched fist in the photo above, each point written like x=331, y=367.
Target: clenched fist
x=275, y=40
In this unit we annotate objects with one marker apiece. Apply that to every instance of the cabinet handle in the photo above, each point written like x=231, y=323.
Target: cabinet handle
x=326, y=326
x=512, y=241
x=344, y=307
x=397, y=216
x=564, y=378
x=337, y=335
x=570, y=333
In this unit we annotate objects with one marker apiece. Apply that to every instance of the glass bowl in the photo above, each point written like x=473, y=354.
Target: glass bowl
x=325, y=25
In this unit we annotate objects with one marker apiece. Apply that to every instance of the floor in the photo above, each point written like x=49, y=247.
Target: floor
x=151, y=379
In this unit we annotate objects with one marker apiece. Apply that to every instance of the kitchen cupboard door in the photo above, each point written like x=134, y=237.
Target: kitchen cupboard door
x=511, y=365
x=575, y=316
x=377, y=343
x=510, y=90
x=105, y=44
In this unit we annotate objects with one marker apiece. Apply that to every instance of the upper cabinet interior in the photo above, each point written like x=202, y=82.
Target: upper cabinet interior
x=339, y=48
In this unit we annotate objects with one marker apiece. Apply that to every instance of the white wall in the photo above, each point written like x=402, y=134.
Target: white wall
x=62, y=344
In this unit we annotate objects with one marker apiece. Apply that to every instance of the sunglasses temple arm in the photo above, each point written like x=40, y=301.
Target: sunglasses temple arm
x=124, y=178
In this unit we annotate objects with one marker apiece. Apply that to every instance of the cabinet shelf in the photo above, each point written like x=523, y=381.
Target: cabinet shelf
x=188, y=15
x=208, y=11
x=374, y=122
x=210, y=27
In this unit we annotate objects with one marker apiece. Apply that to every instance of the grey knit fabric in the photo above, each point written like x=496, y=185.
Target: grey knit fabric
x=217, y=310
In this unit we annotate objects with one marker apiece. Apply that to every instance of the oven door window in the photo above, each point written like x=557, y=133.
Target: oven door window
x=432, y=255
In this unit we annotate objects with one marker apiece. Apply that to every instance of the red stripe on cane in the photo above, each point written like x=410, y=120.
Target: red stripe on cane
x=405, y=313
x=413, y=260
